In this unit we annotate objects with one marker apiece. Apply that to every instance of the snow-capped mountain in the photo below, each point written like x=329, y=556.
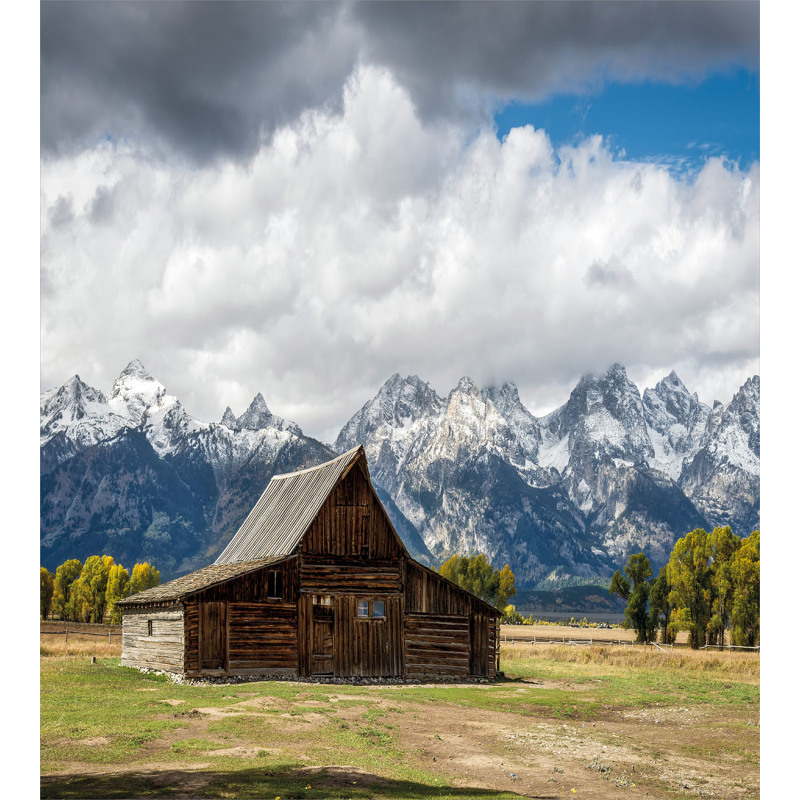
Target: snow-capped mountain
x=676, y=424
x=572, y=493
x=137, y=476
x=722, y=476
x=567, y=495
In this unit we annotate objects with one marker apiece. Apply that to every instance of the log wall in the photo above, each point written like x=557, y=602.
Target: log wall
x=436, y=646
x=164, y=649
x=348, y=575
x=262, y=636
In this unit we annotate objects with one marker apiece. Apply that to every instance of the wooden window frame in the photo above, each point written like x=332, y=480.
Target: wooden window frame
x=149, y=627
x=322, y=600
x=370, y=609
x=274, y=584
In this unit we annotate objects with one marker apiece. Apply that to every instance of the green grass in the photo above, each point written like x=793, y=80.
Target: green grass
x=108, y=715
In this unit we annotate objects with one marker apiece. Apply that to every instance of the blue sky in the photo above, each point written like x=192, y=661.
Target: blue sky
x=679, y=125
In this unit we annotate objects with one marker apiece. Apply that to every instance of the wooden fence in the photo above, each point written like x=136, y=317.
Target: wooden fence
x=619, y=643
x=81, y=632
x=579, y=642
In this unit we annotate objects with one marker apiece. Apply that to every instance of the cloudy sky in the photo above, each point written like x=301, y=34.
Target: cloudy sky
x=302, y=199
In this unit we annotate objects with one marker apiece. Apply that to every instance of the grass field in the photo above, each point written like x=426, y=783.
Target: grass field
x=593, y=722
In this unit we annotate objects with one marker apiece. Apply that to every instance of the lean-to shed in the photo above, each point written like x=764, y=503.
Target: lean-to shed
x=315, y=582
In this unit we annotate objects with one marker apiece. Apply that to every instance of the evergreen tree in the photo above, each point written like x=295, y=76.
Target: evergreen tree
x=636, y=590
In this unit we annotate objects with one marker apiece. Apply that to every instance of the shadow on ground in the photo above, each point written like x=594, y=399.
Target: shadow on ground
x=294, y=782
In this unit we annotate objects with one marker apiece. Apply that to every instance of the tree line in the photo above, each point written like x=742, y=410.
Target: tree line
x=710, y=583
x=477, y=575
x=87, y=592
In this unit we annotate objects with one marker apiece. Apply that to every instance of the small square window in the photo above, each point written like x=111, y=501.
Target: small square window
x=378, y=608
x=322, y=599
x=363, y=608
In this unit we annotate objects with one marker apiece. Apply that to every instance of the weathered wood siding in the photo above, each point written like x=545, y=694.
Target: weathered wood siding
x=479, y=645
x=352, y=522
x=258, y=633
x=446, y=625
x=493, y=628
x=252, y=586
x=436, y=646
x=262, y=636
x=348, y=575
x=164, y=649
x=428, y=593
x=191, y=634
x=213, y=635
x=359, y=646
x=365, y=646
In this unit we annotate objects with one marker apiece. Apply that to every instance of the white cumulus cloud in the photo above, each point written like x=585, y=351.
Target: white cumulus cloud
x=360, y=240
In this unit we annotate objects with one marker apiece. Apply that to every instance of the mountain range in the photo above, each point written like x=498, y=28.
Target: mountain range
x=562, y=498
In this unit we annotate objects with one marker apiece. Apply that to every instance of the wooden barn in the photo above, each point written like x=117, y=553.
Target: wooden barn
x=316, y=582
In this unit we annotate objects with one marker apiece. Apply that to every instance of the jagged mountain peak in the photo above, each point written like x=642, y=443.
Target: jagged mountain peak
x=137, y=387
x=70, y=402
x=136, y=367
x=398, y=404
x=507, y=390
x=676, y=423
x=669, y=400
x=228, y=419
x=258, y=417
x=466, y=384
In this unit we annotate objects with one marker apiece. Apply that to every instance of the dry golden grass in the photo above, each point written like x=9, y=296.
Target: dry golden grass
x=53, y=642
x=743, y=665
x=564, y=631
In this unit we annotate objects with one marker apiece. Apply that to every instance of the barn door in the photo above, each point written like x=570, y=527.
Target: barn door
x=479, y=645
x=213, y=635
x=322, y=641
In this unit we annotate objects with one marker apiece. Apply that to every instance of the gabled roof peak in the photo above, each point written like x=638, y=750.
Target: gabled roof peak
x=286, y=509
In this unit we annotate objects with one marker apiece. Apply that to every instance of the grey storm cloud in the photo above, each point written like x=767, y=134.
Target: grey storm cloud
x=208, y=79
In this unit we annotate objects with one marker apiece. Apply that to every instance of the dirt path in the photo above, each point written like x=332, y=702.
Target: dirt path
x=641, y=753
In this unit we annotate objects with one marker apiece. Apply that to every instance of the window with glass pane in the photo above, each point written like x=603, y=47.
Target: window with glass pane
x=378, y=608
x=363, y=608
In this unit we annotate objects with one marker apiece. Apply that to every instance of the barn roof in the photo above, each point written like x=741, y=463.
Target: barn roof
x=284, y=512
x=195, y=581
